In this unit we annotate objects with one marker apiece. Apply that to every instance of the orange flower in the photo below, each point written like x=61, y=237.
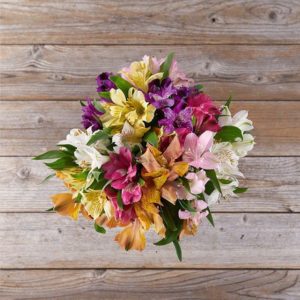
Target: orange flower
x=132, y=237
x=65, y=205
x=162, y=168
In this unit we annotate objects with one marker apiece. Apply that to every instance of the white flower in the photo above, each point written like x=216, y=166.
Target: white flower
x=86, y=155
x=241, y=148
x=227, y=191
x=238, y=120
x=228, y=159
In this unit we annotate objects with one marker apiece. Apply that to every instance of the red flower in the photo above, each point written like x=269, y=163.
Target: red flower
x=205, y=113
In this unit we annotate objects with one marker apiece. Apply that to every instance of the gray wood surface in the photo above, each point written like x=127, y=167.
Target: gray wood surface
x=44, y=72
x=150, y=22
x=139, y=284
x=269, y=189
x=239, y=240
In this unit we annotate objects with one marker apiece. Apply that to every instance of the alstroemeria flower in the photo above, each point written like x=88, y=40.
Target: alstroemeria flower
x=178, y=77
x=205, y=113
x=132, y=237
x=194, y=217
x=131, y=193
x=91, y=116
x=120, y=169
x=86, y=155
x=134, y=111
x=197, y=151
x=65, y=205
x=163, y=169
x=197, y=181
x=139, y=74
x=125, y=215
x=93, y=202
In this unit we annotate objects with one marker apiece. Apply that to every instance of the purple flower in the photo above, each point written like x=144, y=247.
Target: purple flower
x=90, y=116
x=173, y=120
x=162, y=94
x=104, y=83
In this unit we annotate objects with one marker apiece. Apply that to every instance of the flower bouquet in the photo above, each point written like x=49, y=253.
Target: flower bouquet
x=155, y=152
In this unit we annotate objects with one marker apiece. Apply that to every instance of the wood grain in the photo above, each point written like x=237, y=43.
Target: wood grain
x=269, y=191
x=68, y=72
x=29, y=128
x=150, y=22
x=239, y=240
x=150, y=284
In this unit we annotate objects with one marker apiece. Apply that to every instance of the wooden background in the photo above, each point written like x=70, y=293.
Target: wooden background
x=51, y=52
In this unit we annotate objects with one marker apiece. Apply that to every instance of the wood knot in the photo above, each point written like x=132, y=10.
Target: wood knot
x=272, y=15
x=40, y=120
x=24, y=173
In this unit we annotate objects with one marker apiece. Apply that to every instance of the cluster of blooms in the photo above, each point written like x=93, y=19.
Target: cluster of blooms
x=155, y=151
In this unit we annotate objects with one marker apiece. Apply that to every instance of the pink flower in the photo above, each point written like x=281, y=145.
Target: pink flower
x=131, y=193
x=127, y=214
x=205, y=113
x=197, y=151
x=178, y=77
x=194, y=217
x=197, y=181
x=119, y=169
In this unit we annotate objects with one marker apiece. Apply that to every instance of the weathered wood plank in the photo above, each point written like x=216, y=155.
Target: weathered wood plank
x=269, y=191
x=29, y=128
x=43, y=240
x=68, y=72
x=154, y=284
x=150, y=22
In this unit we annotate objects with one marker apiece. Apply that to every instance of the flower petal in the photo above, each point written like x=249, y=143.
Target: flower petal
x=65, y=205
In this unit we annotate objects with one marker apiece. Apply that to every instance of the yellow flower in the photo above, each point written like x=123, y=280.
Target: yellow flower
x=73, y=184
x=93, y=202
x=139, y=74
x=131, y=112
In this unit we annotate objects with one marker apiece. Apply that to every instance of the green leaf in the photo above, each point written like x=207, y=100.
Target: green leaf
x=51, y=155
x=178, y=249
x=99, y=229
x=50, y=209
x=228, y=101
x=98, y=106
x=141, y=181
x=151, y=138
x=225, y=181
x=165, y=67
x=98, y=135
x=47, y=178
x=199, y=87
x=78, y=198
x=186, y=205
x=229, y=134
x=121, y=83
x=168, y=219
x=211, y=174
x=210, y=217
x=105, y=95
x=62, y=163
x=240, y=190
x=170, y=237
x=81, y=176
x=185, y=184
x=70, y=149
x=119, y=200
x=82, y=103
x=97, y=174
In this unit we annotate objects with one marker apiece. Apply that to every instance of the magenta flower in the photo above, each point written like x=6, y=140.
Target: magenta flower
x=197, y=151
x=205, y=113
x=104, y=83
x=126, y=214
x=131, y=193
x=119, y=169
